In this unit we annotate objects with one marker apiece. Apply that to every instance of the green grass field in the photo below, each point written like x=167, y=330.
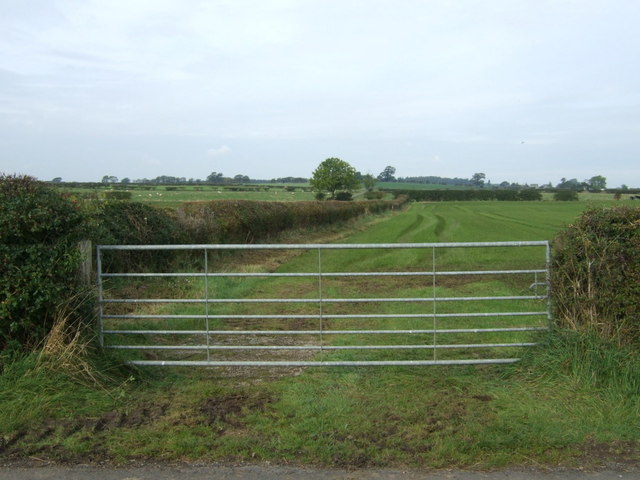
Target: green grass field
x=571, y=401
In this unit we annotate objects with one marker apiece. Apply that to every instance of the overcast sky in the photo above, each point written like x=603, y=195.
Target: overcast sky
x=524, y=91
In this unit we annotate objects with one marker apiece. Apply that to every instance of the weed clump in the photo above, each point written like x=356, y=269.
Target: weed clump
x=596, y=275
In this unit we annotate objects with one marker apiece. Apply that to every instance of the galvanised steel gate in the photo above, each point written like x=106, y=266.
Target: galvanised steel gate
x=329, y=304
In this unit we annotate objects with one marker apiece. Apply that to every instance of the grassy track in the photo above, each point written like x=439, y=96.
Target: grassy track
x=561, y=404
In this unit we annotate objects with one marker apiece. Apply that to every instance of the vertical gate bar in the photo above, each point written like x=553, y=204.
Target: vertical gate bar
x=320, y=296
x=548, y=281
x=433, y=267
x=206, y=299
x=100, y=297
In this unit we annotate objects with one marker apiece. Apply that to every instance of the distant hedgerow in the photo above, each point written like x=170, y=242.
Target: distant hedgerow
x=453, y=195
x=566, y=196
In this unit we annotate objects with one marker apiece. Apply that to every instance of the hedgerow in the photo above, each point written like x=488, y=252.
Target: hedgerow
x=39, y=259
x=596, y=274
x=527, y=194
x=131, y=223
x=243, y=221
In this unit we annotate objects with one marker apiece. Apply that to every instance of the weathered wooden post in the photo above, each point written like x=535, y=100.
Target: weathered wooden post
x=86, y=262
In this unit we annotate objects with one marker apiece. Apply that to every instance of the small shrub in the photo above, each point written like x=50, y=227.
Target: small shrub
x=596, y=274
x=566, y=196
x=344, y=196
x=320, y=196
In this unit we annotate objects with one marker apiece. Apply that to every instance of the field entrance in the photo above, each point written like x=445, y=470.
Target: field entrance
x=330, y=305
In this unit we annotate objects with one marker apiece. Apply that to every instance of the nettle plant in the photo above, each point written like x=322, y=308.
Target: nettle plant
x=39, y=258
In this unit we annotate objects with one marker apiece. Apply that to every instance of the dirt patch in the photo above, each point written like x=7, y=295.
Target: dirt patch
x=47, y=439
x=483, y=398
x=616, y=454
x=227, y=409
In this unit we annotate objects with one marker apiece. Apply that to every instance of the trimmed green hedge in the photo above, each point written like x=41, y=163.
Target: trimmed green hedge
x=596, y=274
x=39, y=259
x=244, y=221
x=528, y=194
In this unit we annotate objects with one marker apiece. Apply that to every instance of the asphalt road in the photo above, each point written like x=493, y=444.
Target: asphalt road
x=268, y=472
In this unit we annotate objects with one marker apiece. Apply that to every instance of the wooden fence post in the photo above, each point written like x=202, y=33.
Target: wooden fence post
x=86, y=262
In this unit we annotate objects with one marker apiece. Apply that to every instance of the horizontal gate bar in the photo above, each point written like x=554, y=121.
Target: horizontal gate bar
x=283, y=363
x=325, y=246
x=332, y=317
x=315, y=300
x=318, y=332
x=328, y=274
x=317, y=347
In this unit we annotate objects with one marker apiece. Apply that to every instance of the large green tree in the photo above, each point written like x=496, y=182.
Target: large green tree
x=478, y=179
x=597, y=183
x=334, y=175
x=387, y=175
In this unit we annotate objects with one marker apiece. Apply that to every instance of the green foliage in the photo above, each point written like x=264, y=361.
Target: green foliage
x=596, y=274
x=334, y=174
x=566, y=195
x=39, y=231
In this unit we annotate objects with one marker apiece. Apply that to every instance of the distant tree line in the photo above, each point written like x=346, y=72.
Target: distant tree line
x=477, y=180
x=216, y=178
x=593, y=184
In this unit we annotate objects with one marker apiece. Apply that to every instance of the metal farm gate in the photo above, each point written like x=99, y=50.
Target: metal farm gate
x=326, y=304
